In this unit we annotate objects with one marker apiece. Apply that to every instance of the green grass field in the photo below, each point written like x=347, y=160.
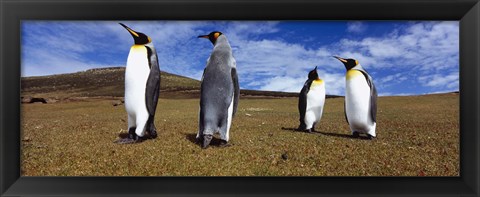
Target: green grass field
x=416, y=136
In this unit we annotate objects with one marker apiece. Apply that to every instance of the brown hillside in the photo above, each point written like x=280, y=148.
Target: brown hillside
x=99, y=82
x=109, y=82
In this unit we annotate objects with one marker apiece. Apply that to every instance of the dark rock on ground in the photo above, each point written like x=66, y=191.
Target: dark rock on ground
x=117, y=103
x=284, y=156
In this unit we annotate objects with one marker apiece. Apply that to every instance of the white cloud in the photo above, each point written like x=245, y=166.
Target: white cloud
x=428, y=49
x=356, y=27
x=428, y=46
x=284, y=84
x=283, y=70
x=392, y=79
x=62, y=47
x=59, y=47
x=395, y=94
x=449, y=81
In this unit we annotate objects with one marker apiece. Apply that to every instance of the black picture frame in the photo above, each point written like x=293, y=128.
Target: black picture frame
x=465, y=11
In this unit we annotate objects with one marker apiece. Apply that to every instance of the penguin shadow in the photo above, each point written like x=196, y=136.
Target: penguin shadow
x=299, y=131
x=291, y=129
x=192, y=137
x=347, y=136
x=339, y=135
x=124, y=136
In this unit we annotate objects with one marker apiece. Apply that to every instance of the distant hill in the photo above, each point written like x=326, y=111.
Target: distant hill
x=99, y=82
x=109, y=82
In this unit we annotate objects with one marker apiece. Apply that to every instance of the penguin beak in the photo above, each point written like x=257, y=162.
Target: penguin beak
x=206, y=141
x=134, y=33
x=341, y=59
x=203, y=36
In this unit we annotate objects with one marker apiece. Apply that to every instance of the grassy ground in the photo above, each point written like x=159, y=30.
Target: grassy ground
x=416, y=136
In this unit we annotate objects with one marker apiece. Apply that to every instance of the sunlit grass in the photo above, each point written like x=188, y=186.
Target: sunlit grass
x=416, y=135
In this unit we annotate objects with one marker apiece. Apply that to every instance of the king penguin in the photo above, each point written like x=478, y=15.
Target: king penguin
x=311, y=101
x=219, y=91
x=142, y=88
x=360, y=99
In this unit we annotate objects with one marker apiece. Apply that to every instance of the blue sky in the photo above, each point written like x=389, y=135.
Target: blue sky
x=404, y=58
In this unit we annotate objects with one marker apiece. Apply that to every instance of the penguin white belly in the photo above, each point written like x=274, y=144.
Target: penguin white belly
x=315, y=103
x=229, y=121
x=136, y=76
x=357, y=102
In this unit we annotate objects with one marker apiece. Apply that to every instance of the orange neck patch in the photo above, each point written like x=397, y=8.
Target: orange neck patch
x=317, y=82
x=353, y=73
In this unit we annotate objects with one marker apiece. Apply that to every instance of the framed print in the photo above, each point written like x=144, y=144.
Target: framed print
x=70, y=111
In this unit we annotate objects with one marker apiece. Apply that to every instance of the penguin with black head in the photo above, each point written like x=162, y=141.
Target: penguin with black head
x=142, y=88
x=219, y=91
x=311, y=101
x=360, y=99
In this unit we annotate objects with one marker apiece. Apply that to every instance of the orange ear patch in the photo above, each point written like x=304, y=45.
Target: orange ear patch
x=216, y=35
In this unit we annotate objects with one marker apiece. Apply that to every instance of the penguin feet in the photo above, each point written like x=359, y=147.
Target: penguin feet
x=206, y=141
x=224, y=143
x=302, y=127
x=153, y=134
x=131, y=139
x=370, y=137
x=355, y=134
x=152, y=130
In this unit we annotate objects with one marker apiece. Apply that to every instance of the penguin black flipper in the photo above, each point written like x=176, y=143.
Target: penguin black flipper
x=373, y=102
x=236, y=93
x=302, y=103
x=345, y=111
x=152, y=90
x=373, y=95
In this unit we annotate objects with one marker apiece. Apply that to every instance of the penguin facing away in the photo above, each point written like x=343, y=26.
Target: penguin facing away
x=142, y=88
x=311, y=101
x=360, y=99
x=219, y=92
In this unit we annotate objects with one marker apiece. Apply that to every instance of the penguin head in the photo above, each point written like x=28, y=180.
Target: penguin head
x=349, y=63
x=138, y=37
x=212, y=36
x=312, y=75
